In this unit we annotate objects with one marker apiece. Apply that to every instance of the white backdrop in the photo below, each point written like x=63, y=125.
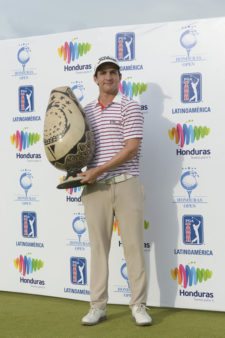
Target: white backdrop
x=176, y=71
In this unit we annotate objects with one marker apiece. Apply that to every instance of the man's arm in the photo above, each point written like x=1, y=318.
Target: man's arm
x=125, y=154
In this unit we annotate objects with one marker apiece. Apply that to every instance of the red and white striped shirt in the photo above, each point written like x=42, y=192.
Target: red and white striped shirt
x=120, y=121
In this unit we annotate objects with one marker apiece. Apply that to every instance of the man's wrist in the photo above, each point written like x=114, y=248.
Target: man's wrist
x=100, y=170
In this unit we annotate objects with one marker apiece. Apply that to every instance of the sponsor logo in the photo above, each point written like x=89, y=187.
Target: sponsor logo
x=78, y=276
x=23, y=57
x=74, y=195
x=27, y=265
x=189, y=181
x=79, y=226
x=29, y=230
x=72, y=52
x=186, y=134
x=123, y=289
x=132, y=89
x=23, y=139
x=192, y=226
x=191, y=88
x=125, y=46
x=125, y=51
x=191, y=92
x=78, y=270
x=188, y=276
x=26, y=99
x=26, y=105
x=188, y=40
x=192, y=230
x=29, y=224
x=123, y=271
x=26, y=183
x=78, y=90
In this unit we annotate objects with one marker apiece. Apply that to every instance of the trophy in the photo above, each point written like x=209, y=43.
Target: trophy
x=68, y=141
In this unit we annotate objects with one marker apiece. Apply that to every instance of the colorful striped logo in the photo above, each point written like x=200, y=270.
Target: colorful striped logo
x=184, y=135
x=188, y=276
x=23, y=140
x=71, y=51
x=131, y=89
x=27, y=265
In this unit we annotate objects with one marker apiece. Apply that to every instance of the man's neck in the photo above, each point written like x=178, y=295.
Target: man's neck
x=106, y=99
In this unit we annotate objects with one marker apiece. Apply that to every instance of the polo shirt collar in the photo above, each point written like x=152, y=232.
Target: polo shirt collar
x=117, y=99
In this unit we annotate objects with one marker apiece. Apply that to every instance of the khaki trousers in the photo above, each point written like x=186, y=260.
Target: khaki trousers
x=101, y=203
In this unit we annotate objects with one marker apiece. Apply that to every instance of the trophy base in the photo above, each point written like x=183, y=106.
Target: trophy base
x=70, y=182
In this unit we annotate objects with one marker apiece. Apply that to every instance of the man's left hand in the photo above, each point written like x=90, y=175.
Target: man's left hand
x=89, y=176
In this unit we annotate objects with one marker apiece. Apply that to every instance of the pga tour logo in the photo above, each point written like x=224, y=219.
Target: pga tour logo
x=191, y=88
x=78, y=270
x=125, y=46
x=193, y=229
x=29, y=224
x=26, y=99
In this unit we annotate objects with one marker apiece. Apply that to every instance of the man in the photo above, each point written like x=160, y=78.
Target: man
x=113, y=189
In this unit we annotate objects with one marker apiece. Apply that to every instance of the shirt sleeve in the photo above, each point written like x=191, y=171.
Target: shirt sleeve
x=133, y=120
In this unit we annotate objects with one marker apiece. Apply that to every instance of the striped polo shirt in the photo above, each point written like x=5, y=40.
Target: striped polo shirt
x=120, y=121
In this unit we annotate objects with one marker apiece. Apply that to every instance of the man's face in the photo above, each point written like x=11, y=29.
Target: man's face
x=108, y=79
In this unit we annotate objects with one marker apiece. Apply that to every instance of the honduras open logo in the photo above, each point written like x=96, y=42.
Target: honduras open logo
x=23, y=55
x=188, y=39
x=189, y=181
x=79, y=225
x=124, y=274
x=26, y=181
x=78, y=90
